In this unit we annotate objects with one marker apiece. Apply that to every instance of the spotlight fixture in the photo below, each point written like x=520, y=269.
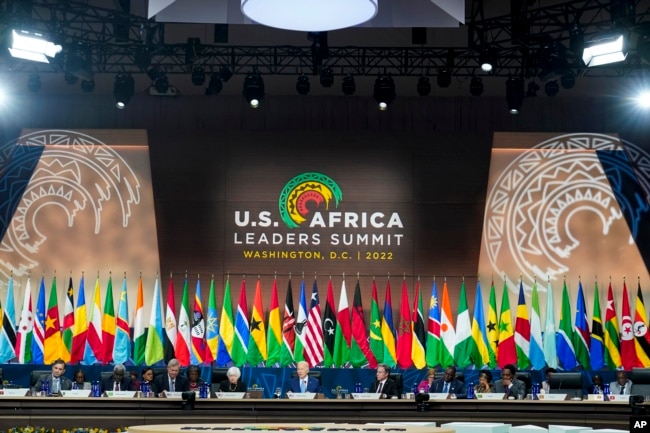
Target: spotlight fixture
x=551, y=88
x=326, y=77
x=514, y=94
x=444, y=77
x=424, y=86
x=32, y=46
x=70, y=79
x=123, y=89
x=253, y=90
x=487, y=59
x=215, y=86
x=161, y=84
x=348, y=87
x=78, y=61
x=198, y=76
x=568, y=80
x=302, y=85
x=552, y=61
x=34, y=83
x=604, y=50
x=532, y=89
x=87, y=85
x=225, y=73
x=384, y=91
x=476, y=86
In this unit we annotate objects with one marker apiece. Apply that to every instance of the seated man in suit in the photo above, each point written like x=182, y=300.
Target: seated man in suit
x=509, y=385
x=449, y=385
x=56, y=379
x=304, y=383
x=233, y=383
x=384, y=385
x=170, y=381
x=119, y=381
x=622, y=386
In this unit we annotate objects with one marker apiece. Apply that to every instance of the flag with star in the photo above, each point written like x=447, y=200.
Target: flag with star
x=550, y=341
x=108, y=324
x=80, y=331
x=68, y=323
x=274, y=329
x=522, y=331
x=612, y=344
x=39, y=325
x=597, y=349
x=447, y=331
x=481, y=351
x=628, y=349
x=313, y=349
x=171, y=332
x=360, y=353
x=257, y=353
x=388, y=330
x=226, y=329
x=242, y=330
x=418, y=352
x=376, y=342
x=433, y=328
x=122, y=348
x=565, y=350
x=53, y=343
x=329, y=328
x=507, y=350
x=139, y=336
x=288, y=334
x=184, y=332
x=464, y=341
x=581, y=337
x=25, y=332
x=93, y=351
x=198, y=328
x=641, y=335
x=492, y=326
x=404, y=332
x=8, y=332
x=212, y=327
x=343, y=330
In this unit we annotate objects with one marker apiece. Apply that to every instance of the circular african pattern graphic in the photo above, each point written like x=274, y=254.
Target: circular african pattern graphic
x=304, y=190
x=529, y=208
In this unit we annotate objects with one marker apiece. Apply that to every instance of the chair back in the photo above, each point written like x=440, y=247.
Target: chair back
x=218, y=375
x=524, y=376
x=399, y=382
x=640, y=378
x=36, y=375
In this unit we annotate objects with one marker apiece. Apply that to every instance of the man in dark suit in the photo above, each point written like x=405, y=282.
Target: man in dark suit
x=304, y=383
x=449, y=385
x=119, y=381
x=171, y=381
x=509, y=385
x=56, y=379
x=384, y=385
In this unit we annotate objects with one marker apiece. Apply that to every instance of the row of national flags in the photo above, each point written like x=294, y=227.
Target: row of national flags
x=425, y=333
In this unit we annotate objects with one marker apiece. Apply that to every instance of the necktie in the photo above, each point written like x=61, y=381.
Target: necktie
x=446, y=388
x=116, y=387
x=379, y=388
x=622, y=389
x=303, y=386
x=171, y=386
x=55, y=386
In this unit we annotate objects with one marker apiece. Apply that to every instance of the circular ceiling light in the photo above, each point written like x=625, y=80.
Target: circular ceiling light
x=310, y=15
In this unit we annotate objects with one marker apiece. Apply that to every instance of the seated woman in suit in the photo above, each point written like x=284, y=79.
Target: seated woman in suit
x=484, y=382
x=193, y=374
x=234, y=382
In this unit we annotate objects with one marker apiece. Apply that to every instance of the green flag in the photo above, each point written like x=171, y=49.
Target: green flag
x=376, y=342
x=463, y=349
x=493, y=327
x=343, y=331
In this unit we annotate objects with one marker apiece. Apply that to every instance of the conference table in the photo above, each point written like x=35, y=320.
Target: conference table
x=114, y=413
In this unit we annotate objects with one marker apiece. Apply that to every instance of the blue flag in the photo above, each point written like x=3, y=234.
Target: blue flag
x=565, y=351
x=597, y=349
x=39, y=325
x=581, y=337
x=122, y=347
x=8, y=331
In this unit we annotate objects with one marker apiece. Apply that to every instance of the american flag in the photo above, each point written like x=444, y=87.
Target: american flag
x=313, y=349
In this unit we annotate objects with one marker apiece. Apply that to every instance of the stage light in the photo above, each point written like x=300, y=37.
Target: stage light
x=348, y=87
x=161, y=84
x=476, y=86
x=302, y=85
x=70, y=79
x=198, y=76
x=424, y=86
x=87, y=85
x=532, y=89
x=123, y=89
x=34, y=83
x=487, y=59
x=326, y=77
x=444, y=77
x=568, y=80
x=254, y=90
x=604, y=50
x=310, y=16
x=225, y=73
x=32, y=46
x=551, y=88
x=77, y=62
x=552, y=61
x=514, y=94
x=215, y=86
x=643, y=100
x=384, y=91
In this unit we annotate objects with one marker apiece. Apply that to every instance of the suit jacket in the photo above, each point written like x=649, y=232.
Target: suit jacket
x=313, y=385
x=225, y=385
x=389, y=389
x=160, y=383
x=615, y=388
x=108, y=384
x=518, y=387
x=456, y=387
x=66, y=384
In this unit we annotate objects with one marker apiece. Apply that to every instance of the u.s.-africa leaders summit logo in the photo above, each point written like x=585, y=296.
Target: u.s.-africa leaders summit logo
x=305, y=189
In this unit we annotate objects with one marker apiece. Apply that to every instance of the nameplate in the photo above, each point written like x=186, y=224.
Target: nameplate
x=76, y=393
x=489, y=396
x=595, y=397
x=120, y=394
x=438, y=396
x=177, y=395
x=301, y=395
x=16, y=392
x=366, y=396
x=231, y=395
x=617, y=398
x=551, y=397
